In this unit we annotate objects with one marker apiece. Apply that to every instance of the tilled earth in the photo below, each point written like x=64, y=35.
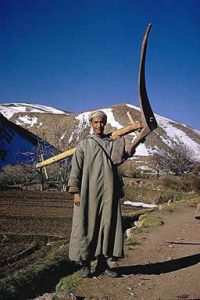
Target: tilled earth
x=26, y=217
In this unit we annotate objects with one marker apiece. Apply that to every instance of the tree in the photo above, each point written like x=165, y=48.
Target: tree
x=179, y=160
x=21, y=174
x=25, y=173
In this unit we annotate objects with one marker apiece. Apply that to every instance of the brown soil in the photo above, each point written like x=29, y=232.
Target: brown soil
x=31, y=224
x=166, y=265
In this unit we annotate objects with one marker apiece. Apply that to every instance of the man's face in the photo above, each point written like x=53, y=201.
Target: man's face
x=98, y=124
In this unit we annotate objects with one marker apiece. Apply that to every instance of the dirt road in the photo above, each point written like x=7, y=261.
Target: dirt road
x=166, y=265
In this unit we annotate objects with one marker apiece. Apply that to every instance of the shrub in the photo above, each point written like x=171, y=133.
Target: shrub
x=171, y=182
x=191, y=182
x=128, y=169
x=178, y=160
x=26, y=174
x=19, y=174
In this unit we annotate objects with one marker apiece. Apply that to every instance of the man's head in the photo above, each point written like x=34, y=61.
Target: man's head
x=98, y=120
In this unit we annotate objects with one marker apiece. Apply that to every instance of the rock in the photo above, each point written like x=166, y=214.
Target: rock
x=138, y=223
x=140, y=284
x=197, y=214
x=56, y=296
x=130, y=247
x=129, y=232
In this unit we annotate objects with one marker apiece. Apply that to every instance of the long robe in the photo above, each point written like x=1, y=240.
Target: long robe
x=97, y=225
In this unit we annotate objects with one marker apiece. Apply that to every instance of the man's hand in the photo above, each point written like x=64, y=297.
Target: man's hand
x=139, y=125
x=77, y=199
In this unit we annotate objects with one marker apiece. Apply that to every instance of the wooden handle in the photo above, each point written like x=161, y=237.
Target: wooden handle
x=56, y=158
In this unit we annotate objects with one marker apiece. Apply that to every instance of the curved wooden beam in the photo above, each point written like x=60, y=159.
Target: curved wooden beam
x=148, y=118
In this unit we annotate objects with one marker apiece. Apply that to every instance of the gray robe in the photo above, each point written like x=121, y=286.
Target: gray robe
x=97, y=226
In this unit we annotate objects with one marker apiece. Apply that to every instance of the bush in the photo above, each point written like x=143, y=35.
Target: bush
x=191, y=182
x=26, y=174
x=19, y=174
x=169, y=195
x=178, y=160
x=133, y=174
x=128, y=169
x=171, y=182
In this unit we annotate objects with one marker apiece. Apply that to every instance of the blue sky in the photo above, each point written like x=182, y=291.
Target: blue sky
x=84, y=54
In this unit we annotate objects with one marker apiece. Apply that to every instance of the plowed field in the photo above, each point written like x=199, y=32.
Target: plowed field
x=30, y=222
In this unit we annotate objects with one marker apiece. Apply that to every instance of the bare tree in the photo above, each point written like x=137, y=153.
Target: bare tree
x=55, y=174
x=21, y=174
x=179, y=160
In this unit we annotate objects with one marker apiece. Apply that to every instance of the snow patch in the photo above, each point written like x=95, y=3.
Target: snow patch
x=9, y=109
x=145, y=168
x=111, y=119
x=140, y=204
x=196, y=131
x=177, y=135
x=30, y=121
x=62, y=137
x=133, y=106
x=83, y=119
x=142, y=150
x=70, y=139
x=83, y=122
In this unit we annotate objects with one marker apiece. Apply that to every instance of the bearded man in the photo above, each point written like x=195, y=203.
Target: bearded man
x=97, y=225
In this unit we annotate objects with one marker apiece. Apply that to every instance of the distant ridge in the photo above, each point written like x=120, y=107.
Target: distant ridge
x=64, y=130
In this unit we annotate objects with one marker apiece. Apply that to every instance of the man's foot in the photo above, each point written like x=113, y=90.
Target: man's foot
x=103, y=268
x=106, y=271
x=110, y=273
x=85, y=272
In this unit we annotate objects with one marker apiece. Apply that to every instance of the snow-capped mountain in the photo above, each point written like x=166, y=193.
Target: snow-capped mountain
x=65, y=130
x=9, y=109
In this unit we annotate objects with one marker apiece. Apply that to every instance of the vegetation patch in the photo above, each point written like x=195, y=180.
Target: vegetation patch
x=144, y=223
x=151, y=220
x=187, y=200
x=68, y=283
x=141, y=193
x=37, y=278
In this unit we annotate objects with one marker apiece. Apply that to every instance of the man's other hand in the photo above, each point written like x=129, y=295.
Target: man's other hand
x=139, y=125
x=77, y=198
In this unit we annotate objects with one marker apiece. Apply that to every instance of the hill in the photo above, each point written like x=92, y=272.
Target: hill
x=64, y=129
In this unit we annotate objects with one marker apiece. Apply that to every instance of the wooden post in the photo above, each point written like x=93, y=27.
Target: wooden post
x=45, y=169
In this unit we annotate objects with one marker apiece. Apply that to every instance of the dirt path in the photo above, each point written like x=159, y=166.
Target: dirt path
x=166, y=265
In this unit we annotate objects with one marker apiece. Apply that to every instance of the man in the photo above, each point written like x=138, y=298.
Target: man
x=97, y=226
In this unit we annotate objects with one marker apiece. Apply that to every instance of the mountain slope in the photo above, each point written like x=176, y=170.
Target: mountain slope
x=65, y=130
x=18, y=145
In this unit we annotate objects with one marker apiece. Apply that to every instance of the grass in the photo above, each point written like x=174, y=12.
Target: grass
x=147, y=221
x=68, y=283
x=186, y=200
x=27, y=238
x=141, y=193
x=152, y=219
x=161, y=190
x=37, y=278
